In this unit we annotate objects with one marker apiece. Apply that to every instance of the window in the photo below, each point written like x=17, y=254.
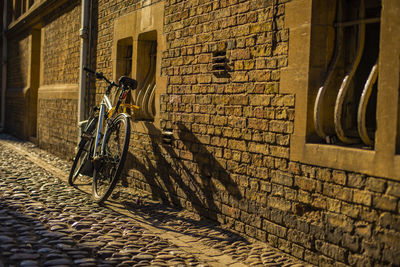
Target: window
x=146, y=74
x=345, y=104
x=348, y=49
x=20, y=7
x=139, y=42
x=124, y=57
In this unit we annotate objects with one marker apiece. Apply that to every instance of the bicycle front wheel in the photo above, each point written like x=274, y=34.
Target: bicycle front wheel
x=82, y=170
x=108, y=170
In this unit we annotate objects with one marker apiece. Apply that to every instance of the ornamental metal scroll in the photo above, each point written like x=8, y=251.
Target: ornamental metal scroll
x=343, y=91
x=146, y=94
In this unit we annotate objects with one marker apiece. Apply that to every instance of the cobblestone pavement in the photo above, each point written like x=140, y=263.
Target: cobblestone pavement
x=45, y=222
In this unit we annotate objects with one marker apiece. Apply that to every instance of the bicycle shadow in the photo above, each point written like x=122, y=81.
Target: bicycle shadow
x=200, y=183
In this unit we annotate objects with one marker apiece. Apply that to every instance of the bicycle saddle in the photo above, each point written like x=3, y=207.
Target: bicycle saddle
x=126, y=81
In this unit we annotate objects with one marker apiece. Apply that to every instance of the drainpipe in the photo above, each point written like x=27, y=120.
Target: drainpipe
x=4, y=70
x=90, y=56
x=83, y=32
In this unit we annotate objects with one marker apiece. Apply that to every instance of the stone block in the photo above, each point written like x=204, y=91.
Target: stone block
x=393, y=189
x=311, y=257
x=275, y=229
x=339, y=192
x=340, y=221
x=282, y=178
x=362, y=197
x=332, y=251
x=371, y=249
x=356, y=180
x=375, y=184
x=301, y=238
x=339, y=177
x=385, y=202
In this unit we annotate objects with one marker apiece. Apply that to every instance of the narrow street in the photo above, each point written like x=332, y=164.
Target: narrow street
x=45, y=222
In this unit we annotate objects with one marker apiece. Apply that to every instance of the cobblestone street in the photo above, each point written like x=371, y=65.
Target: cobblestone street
x=45, y=222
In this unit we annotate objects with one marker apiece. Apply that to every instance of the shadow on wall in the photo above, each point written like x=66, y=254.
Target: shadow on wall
x=201, y=183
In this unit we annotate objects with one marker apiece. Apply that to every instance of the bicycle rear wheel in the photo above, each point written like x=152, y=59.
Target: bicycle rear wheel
x=82, y=170
x=109, y=166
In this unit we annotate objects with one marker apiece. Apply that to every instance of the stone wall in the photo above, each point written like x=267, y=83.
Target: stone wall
x=61, y=44
x=58, y=92
x=17, y=82
x=58, y=129
x=230, y=156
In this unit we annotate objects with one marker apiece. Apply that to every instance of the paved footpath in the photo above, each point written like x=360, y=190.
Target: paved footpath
x=45, y=222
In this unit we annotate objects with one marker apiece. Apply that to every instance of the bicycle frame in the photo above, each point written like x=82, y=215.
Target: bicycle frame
x=104, y=106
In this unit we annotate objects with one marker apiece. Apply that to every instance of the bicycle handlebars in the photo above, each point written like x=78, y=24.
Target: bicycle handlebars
x=123, y=81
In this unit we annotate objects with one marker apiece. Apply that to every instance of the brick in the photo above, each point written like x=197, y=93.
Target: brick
x=305, y=184
x=304, y=197
x=330, y=250
x=282, y=178
x=362, y=197
x=371, y=249
x=339, y=177
x=393, y=189
x=257, y=124
x=339, y=192
x=308, y=171
x=260, y=100
x=385, y=202
x=301, y=238
x=279, y=203
x=324, y=174
x=278, y=151
x=375, y=184
x=261, y=235
x=258, y=148
x=284, y=245
x=319, y=203
x=351, y=242
x=340, y=221
x=237, y=144
x=359, y=260
x=240, y=54
x=350, y=210
x=297, y=251
x=240, y=76
x=311, y=257
x=368, y=214
x=273, y=240
x=356, y=180
x=334, y=205
x=274, y=229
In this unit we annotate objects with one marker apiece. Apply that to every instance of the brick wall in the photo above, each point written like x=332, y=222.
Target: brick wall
x=18, y=60
x=229, y=159
x=58, y=130
x=57, y=116
x=61, y=46
x=17, y=80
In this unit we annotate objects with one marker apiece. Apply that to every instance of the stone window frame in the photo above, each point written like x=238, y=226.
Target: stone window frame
x=132, y=25
x=298, y=79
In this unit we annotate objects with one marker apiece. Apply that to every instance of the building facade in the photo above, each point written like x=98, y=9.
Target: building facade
x=277, y=118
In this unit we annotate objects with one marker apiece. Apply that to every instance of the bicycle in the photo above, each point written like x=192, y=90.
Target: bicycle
x=105, y=140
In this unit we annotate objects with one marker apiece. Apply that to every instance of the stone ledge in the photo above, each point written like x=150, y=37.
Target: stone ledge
x=60, y=91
